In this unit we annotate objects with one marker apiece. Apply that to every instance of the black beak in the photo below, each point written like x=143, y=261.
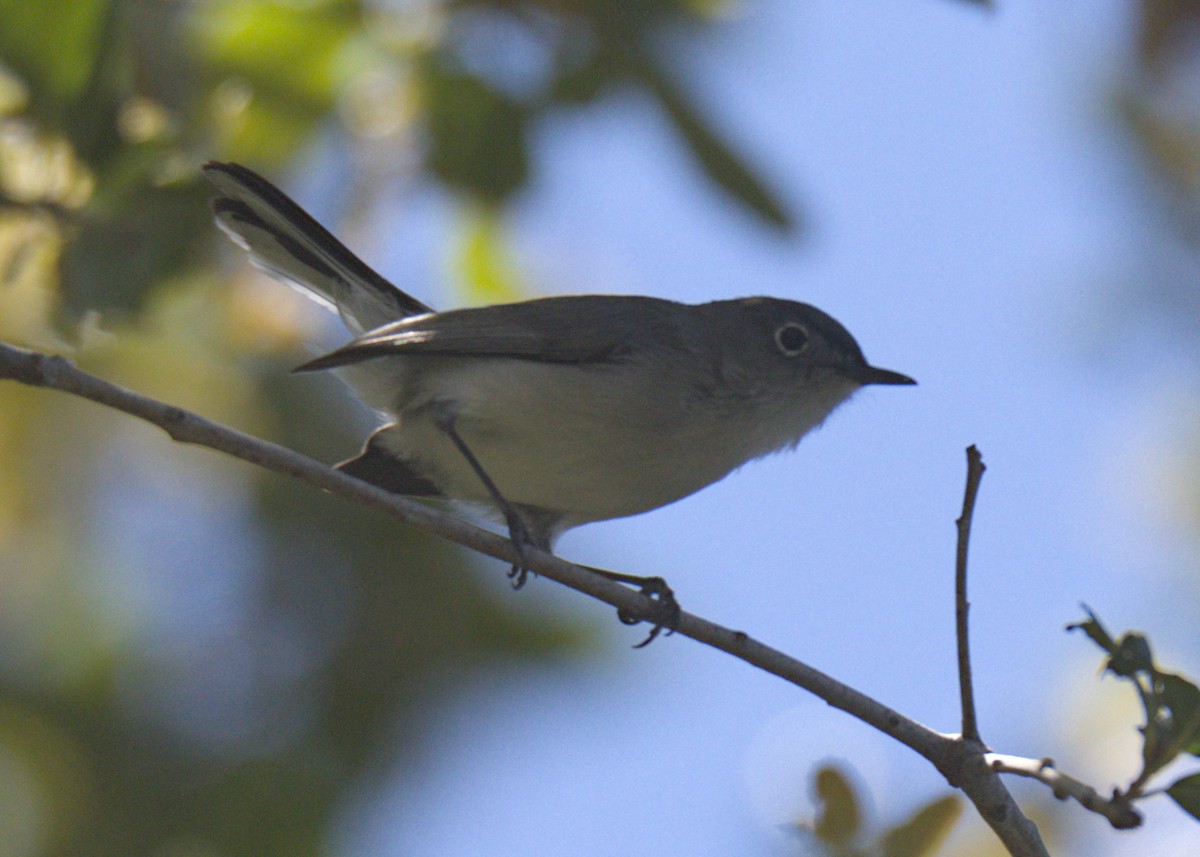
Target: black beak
x=875, y=375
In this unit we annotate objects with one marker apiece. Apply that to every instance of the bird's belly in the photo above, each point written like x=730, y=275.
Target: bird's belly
x=585, y=474
x=583, y=445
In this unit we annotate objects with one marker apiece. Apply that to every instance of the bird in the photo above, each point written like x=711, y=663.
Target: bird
x=560, y=411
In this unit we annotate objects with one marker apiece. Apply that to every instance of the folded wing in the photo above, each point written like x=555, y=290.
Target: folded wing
x=576, y=329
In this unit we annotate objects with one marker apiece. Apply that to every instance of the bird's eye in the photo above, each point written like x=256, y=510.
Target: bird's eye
x=792, y=338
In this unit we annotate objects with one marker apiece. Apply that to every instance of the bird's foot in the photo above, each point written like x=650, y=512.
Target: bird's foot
x=666, y=611
x=522, y=539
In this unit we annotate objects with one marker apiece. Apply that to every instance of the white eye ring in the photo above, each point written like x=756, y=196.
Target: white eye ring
x=792, y=338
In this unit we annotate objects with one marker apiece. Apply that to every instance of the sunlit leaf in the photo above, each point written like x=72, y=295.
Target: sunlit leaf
x=289, y=63
x=482, y=260
x=293, y=50
x=41, y=169
x=14, y=94
x=30, y=245
x=925, y=831
x=266, y=130
x=1186, y=793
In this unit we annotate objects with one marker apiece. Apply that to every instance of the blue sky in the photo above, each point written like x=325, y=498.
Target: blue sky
x=974, y=220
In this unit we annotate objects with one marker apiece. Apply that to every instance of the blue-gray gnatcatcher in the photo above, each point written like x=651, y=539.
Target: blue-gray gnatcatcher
x=558, y=411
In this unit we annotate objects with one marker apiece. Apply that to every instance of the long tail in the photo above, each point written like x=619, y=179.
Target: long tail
x=286, y=242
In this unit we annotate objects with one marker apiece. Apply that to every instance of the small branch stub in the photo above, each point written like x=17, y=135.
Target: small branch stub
x=1118, y=808
x=975, y=468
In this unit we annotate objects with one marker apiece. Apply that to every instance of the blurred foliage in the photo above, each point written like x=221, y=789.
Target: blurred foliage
x=842, y=829
x=1171, y=704
x=196, y=657
x=484, y=263
x=1161, y=105
x=135, y=94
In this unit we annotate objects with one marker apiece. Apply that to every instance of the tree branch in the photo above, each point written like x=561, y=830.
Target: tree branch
x=1117, y=809
x=962, y=762
x=975, y=468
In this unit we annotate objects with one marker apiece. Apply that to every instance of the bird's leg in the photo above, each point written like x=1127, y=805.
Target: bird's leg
x=666, y=614
x=518, y=530
x=667, y=610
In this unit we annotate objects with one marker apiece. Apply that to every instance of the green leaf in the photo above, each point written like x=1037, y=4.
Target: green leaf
x=583, y=82
x=482, y=259
x=1092, y=627
x=1186, y=793
x=840, y=819
x=72, y=56
x=716, y=158
x=1131, y=655
x=287, y=64
x=289, y=51
x=708, y=8
x=477, y=134
x=1182, y=698
x=1172, y=702
x=268, y=129
x=925, y=831
x=53, y=46
x=130, y=245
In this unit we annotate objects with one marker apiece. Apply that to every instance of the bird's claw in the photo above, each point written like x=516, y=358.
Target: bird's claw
x=518, y=532
x=666, y=611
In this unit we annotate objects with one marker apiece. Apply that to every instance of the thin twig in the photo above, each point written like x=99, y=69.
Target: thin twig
x=975, y=468
x=1117, y=809
x=962, y=763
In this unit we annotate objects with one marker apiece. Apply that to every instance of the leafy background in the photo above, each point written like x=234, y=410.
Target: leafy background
x=199, y=659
